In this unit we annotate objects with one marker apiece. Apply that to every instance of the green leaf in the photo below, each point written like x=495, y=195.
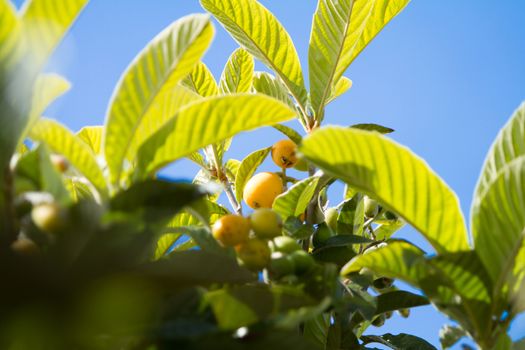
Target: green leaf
x=206, y=122
x=291, y=133
x=48, y=87
x=373, y=127
x=35, y=166
x=230, y=312
x=92, y=136
x=294, y=201
x=341, y=29
x=247, y=168
x=351, y=217
x=343, y=85
x=146, y=88
x=386, y=230
x=316, y=329
x=232, y=168
x=155, y=200
x=394, y=176
x=193, y=268
x=497, y=220
x=267, y=84
x=237, y=75
x=397, y=300
x=450, y=335
x=197, y=158
x=201, y=81
x=400, y=341
x=243, y=305
x=519, y=345
x=398, y=259
x=178, y=98
x=63, y=141
x=260, y=33
x=9, y=35
x=45, y=22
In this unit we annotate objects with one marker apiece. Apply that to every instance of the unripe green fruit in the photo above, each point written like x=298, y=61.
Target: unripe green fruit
x=383, y=283
x=48, y=217
x=302, y=260
x=266, y=223
x=371, y=207
x=330, y=217
x=405, y=313
x=285, y=244
x=254, y=254
x=379, y=320
x=321, y=235
x=281, y=265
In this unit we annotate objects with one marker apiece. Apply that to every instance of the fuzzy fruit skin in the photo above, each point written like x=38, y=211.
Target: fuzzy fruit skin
x=321, y=235
x=284, y=153
x=25, y=247
x=261, y=190
x=254, y=254
x=302, y=260
x=266, y=224
x=231, y=230
x=405, y=313
x=48, y=217
x=60, y=162
x=371, y=207
x=285, y=245
x=281, y=265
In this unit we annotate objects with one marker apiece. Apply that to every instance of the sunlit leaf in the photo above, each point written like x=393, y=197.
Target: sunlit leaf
x=343, y=85
x=341, y=29
x=260, y=33
x=92, y=136
x=63, y=141
x=267, y=84
x=45, y=22
x=48, y=87
x=147, y=86
x=396, y=177
x=497, y=220
x=398, y=259
x=206, y=122
x=294, y=201
x=237, y=75
x=201, y=81
x=247, y=168
x=291, y=133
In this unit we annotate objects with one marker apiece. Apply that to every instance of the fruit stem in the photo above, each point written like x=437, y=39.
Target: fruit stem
x=231, y=197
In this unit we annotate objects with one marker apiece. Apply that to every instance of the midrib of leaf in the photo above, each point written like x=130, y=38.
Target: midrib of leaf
x=154, y=94
x=280, y=74
x=319, y=113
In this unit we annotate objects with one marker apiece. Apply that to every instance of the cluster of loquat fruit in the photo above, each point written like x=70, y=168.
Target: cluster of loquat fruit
x=258, y=239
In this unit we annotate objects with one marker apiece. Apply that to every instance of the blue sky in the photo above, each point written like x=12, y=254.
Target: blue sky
x=446, y=75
